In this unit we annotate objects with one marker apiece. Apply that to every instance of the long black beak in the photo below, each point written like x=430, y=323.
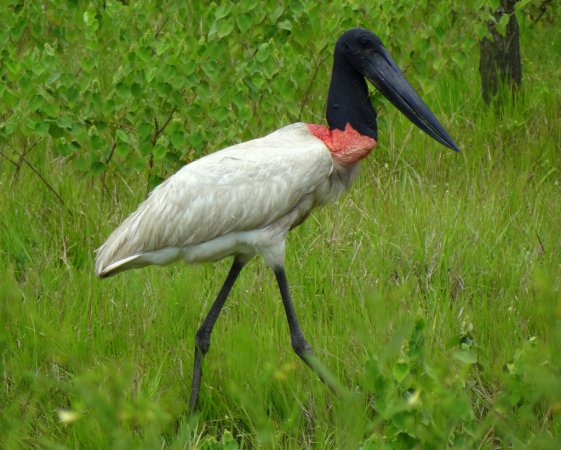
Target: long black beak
x=388, y=79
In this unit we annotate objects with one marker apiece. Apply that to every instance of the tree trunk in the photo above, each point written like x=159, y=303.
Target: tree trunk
x=500, y=56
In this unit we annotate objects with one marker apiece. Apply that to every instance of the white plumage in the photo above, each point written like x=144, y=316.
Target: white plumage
x=241, y=201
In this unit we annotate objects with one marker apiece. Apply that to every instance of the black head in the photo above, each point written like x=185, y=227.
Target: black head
x=360, y=54
x=357, y=46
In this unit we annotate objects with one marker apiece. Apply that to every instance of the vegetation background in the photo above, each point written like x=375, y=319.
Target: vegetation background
x=431, y=291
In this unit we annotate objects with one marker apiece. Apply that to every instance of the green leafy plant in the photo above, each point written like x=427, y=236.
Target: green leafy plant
x=137, y=86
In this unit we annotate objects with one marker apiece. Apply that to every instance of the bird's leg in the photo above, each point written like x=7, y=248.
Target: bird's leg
x=202, y=338
x=299, y=343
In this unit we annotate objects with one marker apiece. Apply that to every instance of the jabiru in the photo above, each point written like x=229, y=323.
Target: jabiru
x=243, y=200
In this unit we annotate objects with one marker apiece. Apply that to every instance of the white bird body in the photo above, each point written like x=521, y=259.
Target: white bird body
x=241, y=200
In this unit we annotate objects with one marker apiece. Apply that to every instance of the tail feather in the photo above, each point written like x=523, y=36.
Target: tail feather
x=132, y=262
x=144, y=231
x=120, y=250
x=130, y=246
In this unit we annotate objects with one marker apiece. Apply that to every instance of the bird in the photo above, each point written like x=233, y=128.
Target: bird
x=242, y=201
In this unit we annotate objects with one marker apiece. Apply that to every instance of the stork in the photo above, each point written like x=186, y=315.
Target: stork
x=243, y=200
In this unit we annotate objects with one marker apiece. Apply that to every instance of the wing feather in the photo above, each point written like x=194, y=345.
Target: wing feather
x=244, y=187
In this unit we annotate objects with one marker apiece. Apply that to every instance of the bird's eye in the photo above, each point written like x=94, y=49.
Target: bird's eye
x=364, y=42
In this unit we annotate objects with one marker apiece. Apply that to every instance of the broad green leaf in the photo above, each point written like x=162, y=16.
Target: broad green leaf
x=62, y=147
x=276, y=13
x=123, y=91
x=223, y=28
x=161, y=47
x=521, y=4
x=145, y=53
x=244, y=22
x=55, y=131
x=221, y=114
x=97, y=143
x=150, y=73
x=159, y=152
x=8, y=127
x=177, y=139
x=164, y=89
x=88, y=64
x=263, y=53
x=122, y=137
x=54, y=77
x=502, y=24
x=9, y=99
x=14, y=66
x=97, y=167
x=285, y=25
x=400, y=370
x=41, y=128
x=122, y=149
x=465, y=356
x=136, y=90
x=223, y=10
x=49, y=107
x=249, y=5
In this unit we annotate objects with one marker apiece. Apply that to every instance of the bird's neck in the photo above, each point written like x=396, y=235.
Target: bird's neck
x=348, y=101
x=347, y=146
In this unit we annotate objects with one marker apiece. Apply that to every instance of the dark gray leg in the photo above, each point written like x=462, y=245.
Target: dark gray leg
x=202, y=338
x=299, y=344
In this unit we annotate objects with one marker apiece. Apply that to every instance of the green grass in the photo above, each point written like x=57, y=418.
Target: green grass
x=432, y=262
